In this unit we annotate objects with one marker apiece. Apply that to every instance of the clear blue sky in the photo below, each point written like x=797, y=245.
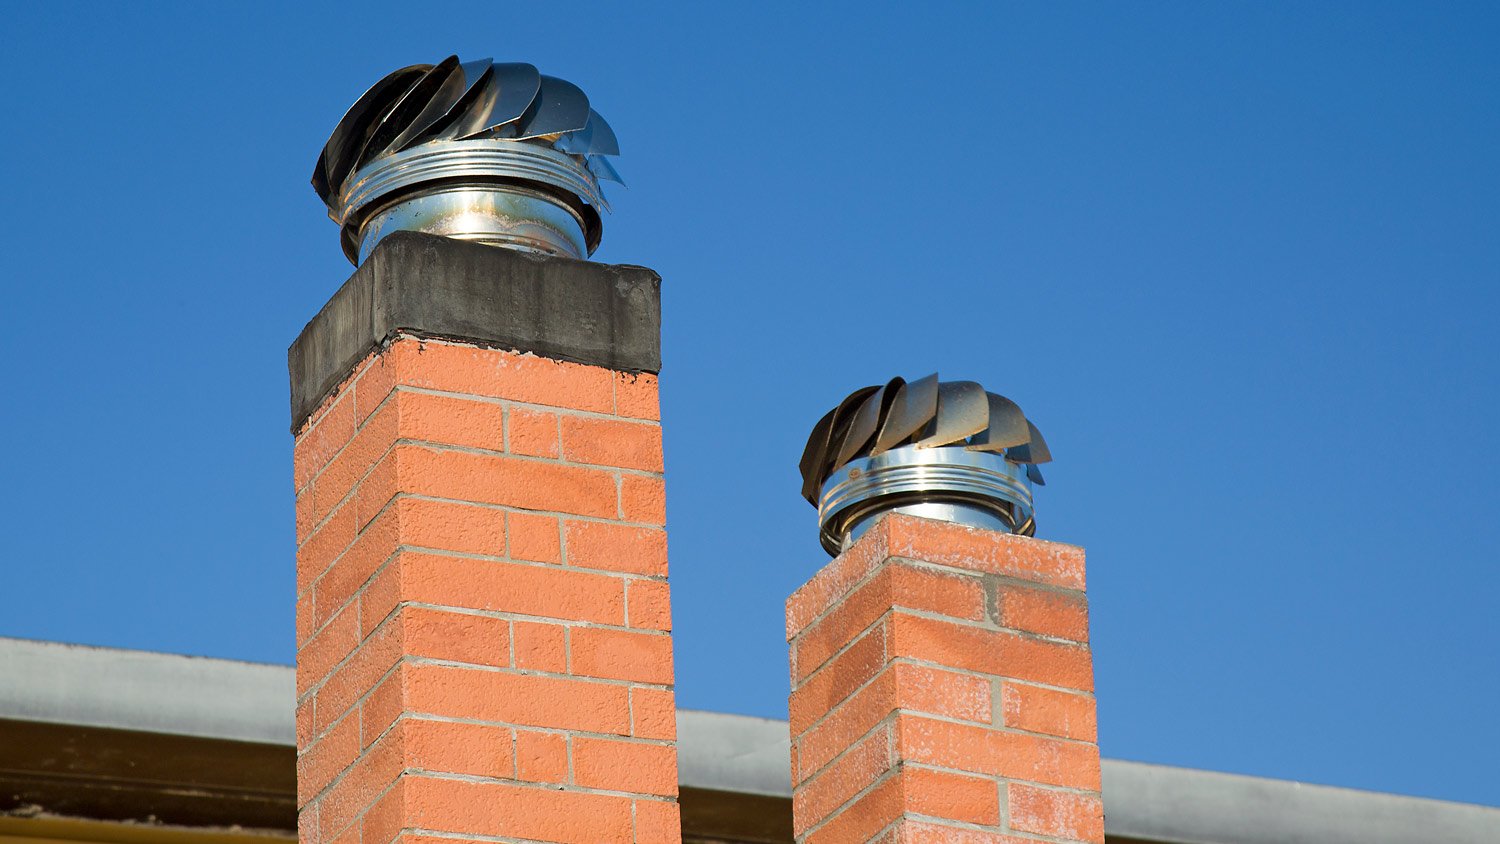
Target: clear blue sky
x=1239, y=260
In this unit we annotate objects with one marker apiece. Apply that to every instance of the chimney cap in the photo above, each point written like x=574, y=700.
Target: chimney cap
x=942, y=449
x=481, y=150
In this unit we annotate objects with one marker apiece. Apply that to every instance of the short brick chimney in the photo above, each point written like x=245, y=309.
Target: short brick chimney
x=483, y=616
x=942, y=685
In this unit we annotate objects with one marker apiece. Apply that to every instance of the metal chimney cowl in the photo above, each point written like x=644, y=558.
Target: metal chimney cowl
x=940, y=450
x=490, y=152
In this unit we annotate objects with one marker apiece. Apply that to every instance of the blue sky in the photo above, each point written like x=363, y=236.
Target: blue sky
x=1240, y=261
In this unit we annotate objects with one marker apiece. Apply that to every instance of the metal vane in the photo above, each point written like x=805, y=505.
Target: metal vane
x=946, y=450
x=490, y=152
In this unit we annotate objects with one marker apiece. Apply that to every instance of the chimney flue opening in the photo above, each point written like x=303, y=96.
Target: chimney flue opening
x=941, y=450
x=490, y=152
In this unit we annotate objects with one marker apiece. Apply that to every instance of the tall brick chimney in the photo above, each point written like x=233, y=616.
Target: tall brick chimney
x=483, y=616
x=942, y=685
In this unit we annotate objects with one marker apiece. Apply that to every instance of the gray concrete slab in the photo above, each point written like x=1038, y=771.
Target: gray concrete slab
x=600, y=314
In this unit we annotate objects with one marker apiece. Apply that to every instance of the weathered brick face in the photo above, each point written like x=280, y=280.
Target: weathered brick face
x=942, y=691
x=483, y=616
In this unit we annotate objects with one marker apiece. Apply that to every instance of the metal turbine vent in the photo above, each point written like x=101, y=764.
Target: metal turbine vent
x=484, y=151
x=943, y=450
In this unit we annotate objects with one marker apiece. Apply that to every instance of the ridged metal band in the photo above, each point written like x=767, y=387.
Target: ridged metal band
x=466, y=159
x=977, y=488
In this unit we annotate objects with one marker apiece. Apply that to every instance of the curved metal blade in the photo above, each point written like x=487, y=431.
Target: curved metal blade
x=602, y=169
x=1034, y=474
x=862, y=427
x=358, y=122
x=470, y=80
x=812, y=456
x=1033, y=451
x=1007, y=426
x=469, y=115
x=517, y=84
x=560, y=106
x=843, y=415
x=914, y=406
x=817, y=456
x=406, y=110
x=963, y=411
x=597, y=138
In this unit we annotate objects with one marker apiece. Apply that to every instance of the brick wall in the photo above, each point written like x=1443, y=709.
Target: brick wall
x=483, y=616
x=942, y=691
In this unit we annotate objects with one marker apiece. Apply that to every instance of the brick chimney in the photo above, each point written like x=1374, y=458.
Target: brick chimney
x=942, y=691
x=483, y=616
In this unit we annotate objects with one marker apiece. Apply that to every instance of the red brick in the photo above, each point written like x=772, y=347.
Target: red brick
x=1064, y=615
x=541, y=647
x=653, y=714
x=945, y=543
x=541, y=757
x=364, y=451
x=867, y=816
x=516, y=811
x=834, y=581
x=323, y=546
x=506, y=481
x=648, y=604
x=479, y=750
x=384, y=820
x=534, y=538
x=544, y=591
x=524, y=378
x=636, y=395
x=336, y=640
x=316, y=446
x=376, y=380
x=956, y=797
x=451, y=420
x=525, y=700
x=927, y=832
x=643, y=499
x=375, y=656
x=344, y=801
x=456, y=636
x=1049, y=711
x=621, y=655
x=451, y=526
x=322, y=761
x=658, y=822
x=837, y=679
x=612, y=442
x=533, y=433
x=864, y=763
x=994, y=652
x=894, y=585
x=382, y=706
x=982, y=750
x=1060, y=814
x=303, y=514
x=638, y=767
x=600, y=545
x=901, y=686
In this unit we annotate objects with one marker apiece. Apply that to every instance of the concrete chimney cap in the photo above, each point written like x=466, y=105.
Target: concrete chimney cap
x=481, y=150
x=942, y=449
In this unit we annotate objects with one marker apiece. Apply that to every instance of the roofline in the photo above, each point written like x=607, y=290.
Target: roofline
x=241, y=701
x=57, y=683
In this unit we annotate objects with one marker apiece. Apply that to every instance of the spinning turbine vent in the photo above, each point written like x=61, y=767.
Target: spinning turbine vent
x=943, y=450
x=491, y=152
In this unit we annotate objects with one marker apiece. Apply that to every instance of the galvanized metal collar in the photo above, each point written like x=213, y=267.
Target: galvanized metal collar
x=466, y=160
x=977, y=488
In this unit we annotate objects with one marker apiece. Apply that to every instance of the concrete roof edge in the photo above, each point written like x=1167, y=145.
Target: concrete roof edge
x=120, y=689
